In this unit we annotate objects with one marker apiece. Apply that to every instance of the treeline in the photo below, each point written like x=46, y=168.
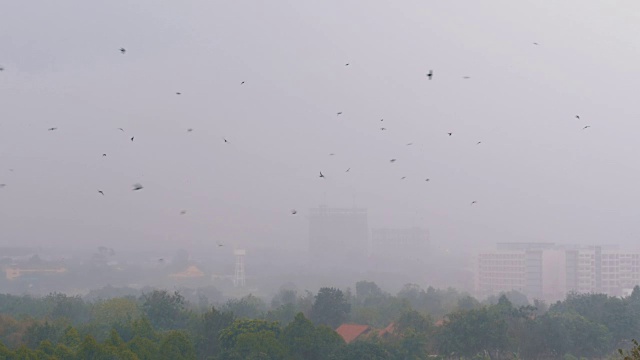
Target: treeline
x=429, y=323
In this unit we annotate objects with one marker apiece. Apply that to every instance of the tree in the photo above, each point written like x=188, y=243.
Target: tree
x=634, y=353
x=249, y=306
x=308, y=342
x=165, y=310
x=175, y=345
x=330, y=308
x=208, y=332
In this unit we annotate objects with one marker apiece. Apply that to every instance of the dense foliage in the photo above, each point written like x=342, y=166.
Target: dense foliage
x=417, y=323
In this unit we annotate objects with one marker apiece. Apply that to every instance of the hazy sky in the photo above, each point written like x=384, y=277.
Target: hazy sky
x=536, y=176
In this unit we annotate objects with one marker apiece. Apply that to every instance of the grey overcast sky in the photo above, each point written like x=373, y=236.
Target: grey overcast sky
x=536, y=176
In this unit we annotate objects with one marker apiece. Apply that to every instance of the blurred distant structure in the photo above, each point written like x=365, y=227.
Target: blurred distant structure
x=239, y=279
x=549, y=271
x=399, y=243
x=338, y=235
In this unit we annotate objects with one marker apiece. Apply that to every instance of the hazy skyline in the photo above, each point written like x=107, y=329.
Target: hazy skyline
x=536, y=176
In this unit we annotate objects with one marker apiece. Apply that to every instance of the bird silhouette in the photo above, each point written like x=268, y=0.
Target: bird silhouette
x=430, y=74
x=331, y=154
x=474, y=202
x=53, y=128
x=450, y=134
x=402, y=178
x=123, y=50
x=383, y=128
x=294, y=211
x=409, y=144
x=535, y=43
x=2, y=185
x=339, y=113
x=101, y=192
x=1, y=68
x=189, y=130
x=183, y=212
x=321, y=175
x=133, y=137
x=427, y=180
x=137, y=187
x=586, y=127
x=479, y=142
x=242, y=83
x=466, y=77
x=348, y=170
x=347, y=64
x=220, y=245
x=578, y=117
x=392, y=160
x=381, y=119
x=178, y=93
x=121, y=129
x=225, y=140
x=103, y=155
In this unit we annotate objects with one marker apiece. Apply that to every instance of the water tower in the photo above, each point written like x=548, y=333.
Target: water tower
x=239, y=278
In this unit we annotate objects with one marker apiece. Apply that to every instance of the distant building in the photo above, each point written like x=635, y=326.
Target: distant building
x=399, y=243
x=548, y=271
x=338, y=234
x=351, y=332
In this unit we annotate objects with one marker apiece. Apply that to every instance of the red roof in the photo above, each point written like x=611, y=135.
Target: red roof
x=388, y=330
x=350, y=332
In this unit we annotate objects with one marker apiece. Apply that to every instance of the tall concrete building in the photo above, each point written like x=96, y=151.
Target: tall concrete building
x=338, y=235
x=399, y=243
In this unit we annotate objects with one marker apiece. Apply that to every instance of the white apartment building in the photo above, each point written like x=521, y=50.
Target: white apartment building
x=547, y=271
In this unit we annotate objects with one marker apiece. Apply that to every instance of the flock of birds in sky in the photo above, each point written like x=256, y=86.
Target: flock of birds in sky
x=138, y=186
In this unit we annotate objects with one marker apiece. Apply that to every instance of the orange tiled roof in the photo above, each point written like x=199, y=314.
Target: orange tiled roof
x=350, y=332
x=388, y=330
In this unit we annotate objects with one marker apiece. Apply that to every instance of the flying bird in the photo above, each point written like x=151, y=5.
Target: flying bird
x=220, y=245
x=586, y=127
x=578, y=117
x=402, y=178
x=383, y=128
x=479, y=142
x=535, y=43
x=294, y=211
x=348, y=170
x=101, y=192
x=178, y=93
x=242, y=83
x=183, y=212
x=331, y=154
x=121, y=129
x=381, y=119
x=103, y=155
x=321, y=175
x=123, y=50
x=392, y=160
x=466, y=77
x=2, y=185
x=347, y=64
x=409, y=144
x=473, y=202
x=339, y=113
x=189, y=130
x=426, y=179
x=133, y=137
x=450, y=134
x=53, y=128
x=137, y=187
x=430, y=74
x=1, y=68
x=225, y=140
